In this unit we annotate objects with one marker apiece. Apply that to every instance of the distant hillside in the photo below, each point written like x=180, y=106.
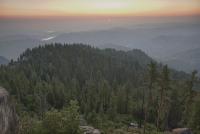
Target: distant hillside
x=3, y=60
x=160, y=40
x=61, y=66
x=114, y=46
x=186, y=60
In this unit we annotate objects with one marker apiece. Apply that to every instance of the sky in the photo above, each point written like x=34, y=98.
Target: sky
x=99, y=7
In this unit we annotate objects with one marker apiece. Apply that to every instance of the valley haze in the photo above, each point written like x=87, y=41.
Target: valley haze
x=171, y=40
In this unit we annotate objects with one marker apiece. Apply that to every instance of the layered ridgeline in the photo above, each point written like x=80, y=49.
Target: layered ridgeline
x=111, y=88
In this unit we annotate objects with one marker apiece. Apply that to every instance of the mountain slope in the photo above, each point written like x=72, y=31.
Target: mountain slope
x=59, y=67
x=186, y=60
x=107, y=84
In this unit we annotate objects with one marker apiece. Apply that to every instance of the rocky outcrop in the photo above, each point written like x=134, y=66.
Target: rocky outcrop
x=89, y=130
x=8, y=117
x=181, y=131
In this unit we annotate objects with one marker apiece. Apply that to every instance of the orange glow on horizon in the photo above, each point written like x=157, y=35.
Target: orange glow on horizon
x=31, y=8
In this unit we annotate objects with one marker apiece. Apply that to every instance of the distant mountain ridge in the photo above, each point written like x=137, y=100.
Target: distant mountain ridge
x=116, y=47
x=163, y=42
x=190, y=59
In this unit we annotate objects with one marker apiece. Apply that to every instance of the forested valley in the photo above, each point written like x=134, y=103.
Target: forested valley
x=58, y=87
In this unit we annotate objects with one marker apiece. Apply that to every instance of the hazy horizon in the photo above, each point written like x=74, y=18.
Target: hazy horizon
x=78, y=24
x=96, y=7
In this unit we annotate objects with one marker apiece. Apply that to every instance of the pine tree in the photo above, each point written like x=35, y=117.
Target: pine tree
x=152, y=75
x=190, y=94
x=164, y=83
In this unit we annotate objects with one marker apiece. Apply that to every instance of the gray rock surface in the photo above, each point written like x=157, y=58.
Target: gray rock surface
x=8, y=117
x=89, y=130
x=181, y=131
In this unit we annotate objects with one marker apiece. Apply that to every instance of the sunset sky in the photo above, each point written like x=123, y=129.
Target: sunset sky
x=98, y=7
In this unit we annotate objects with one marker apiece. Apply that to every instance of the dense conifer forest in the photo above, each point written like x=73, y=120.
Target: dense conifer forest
x=56, y=88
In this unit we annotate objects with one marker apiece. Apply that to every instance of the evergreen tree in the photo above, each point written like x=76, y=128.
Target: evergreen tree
x=163, y=103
